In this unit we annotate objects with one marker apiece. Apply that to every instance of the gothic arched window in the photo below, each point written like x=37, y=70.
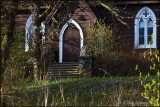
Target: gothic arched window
x=145, y=29
x=28, y=33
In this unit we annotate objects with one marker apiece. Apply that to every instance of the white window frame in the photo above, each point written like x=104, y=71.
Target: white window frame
x=140, y=15
x=28, y=33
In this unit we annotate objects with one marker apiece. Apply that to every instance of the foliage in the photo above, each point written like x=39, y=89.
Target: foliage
x=101, y=43
x=151, y=85
x=80, y=92
x=15, y=66
x=100, y=39
x=7, y=8
x=123, y=64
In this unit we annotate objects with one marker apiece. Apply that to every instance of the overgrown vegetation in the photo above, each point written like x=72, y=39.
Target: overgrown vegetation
x=101, y=43
x=15, y=70
x=79, y=92
x=152, y=85
x=67, y=92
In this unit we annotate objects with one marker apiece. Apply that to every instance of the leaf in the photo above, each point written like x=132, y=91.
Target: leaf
x=136, y=67
x=153, y=82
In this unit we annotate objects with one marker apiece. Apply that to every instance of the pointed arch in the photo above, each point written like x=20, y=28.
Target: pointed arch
x=28, y=33
x=149, y=34
x=61, y=37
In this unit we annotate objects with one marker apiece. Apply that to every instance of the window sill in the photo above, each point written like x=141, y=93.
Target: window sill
x=145, y=47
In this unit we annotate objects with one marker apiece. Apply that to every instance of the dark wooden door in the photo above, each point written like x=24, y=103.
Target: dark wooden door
x=71, y=44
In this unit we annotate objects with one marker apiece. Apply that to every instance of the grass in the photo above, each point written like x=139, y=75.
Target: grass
x=80, y=92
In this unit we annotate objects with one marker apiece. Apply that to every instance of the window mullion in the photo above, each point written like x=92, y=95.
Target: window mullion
x=145, y=33
x=137, y=31
x=154, y=33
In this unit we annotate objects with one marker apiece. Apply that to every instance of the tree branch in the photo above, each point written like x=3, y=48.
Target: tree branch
x=47, y=11
x=114, y=11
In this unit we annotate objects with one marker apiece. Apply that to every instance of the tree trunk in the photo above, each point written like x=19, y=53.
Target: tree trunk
x=9, y=23
x=36, y=40
x=0, y=73
x=9, y=37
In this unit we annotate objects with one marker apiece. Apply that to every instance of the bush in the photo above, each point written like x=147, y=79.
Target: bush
x=100, y=43
x=14, y=69
x=151, y=85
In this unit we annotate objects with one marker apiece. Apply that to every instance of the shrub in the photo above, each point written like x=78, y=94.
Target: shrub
x=100, y=43
x=151, y=85
x=14, y=69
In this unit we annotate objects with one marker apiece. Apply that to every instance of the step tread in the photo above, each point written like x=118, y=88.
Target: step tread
x=62, y=75
x=64, y=66
x=58, y=65
x=63, y=70
x=59, y=69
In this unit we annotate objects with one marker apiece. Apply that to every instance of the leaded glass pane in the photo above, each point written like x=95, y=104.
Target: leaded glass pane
x=150, y=35
x=141, y=32
x=150, y=31
x=141, y=40
x=141, y=23
x=149, y=40
x=150, y=23
x=141, y=36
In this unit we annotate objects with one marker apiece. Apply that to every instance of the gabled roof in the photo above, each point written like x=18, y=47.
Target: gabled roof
x=78, y=11
x=124, y=2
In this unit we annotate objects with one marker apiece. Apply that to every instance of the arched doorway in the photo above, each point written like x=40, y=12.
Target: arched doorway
x=71, y=41
x=71, y=44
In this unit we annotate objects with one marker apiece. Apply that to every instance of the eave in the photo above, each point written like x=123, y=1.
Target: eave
x=137, y=2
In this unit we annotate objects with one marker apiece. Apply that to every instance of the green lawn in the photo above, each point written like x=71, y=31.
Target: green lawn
x=93, y=91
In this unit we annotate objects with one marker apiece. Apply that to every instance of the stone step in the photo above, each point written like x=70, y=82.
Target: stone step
x=63, y=70
x=66, y=72
x=55, y=64
x=60, y=77
x=67, y=63
x=65, y=67
x=63, y=74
